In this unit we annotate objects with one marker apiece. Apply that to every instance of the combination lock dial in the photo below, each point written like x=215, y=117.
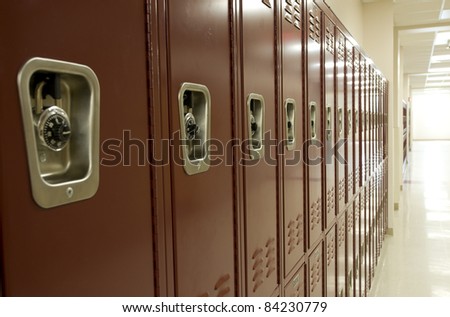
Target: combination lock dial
x=54, y=128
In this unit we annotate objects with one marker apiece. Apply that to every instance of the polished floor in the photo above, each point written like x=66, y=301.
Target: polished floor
x=415, y=261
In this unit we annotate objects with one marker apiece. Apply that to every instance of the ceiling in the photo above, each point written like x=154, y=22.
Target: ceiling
x=424, y=33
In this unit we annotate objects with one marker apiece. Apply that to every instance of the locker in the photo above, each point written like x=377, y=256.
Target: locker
x=367, y=118
x=341, y=255
x=372, y=228
x=362, y=119
x=350, y=270
x=257, y=35
x=292, y=28
x=340, y=122
x=357, y=246
x=296, y=286
x=201, y=195
x=370, y=137
x=330, y=243
x=315, y=278
x=363, y=275
x=329, y=114
x=349, y=125
x=357, y=120
x=364, y=256
x=314, y=153
x=102, y=245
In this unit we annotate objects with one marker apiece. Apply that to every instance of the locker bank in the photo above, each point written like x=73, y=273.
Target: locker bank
x=189, y=148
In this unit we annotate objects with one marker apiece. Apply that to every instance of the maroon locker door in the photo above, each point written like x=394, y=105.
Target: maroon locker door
x=329, y=114
x=340, y=122
x=292, y=28
x=357, y=245
x=330, y=242
x=260, y=177
x=357, y=120
x=316, y=275
x=350, y=272
x=314, y=156
x=340, y=255
x=198, y=39
x=367, y=239
x=296, y=286
x=364, y=230
x=362, y=115
x=349, y=126
x=96, y=247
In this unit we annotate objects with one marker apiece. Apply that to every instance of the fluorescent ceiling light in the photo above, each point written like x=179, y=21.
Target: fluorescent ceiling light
x=438, y=78
x=442, y=38
x=445, y=15
x=439, y=70
x=440, y=58
x=437, y=85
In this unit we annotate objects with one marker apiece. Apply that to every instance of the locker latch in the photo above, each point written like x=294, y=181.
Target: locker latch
x=312, y=117
x=290, y=107
x=255, y=117
x=194, y=107
x=61, y=115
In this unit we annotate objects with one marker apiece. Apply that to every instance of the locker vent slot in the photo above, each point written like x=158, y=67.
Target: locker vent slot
x=331, y=250
x=295, y=233
x=350, y=58
x=350, y=183
x=316, y=214
x=341, y=48
x=221, y=288
x=268, y=3
x=331, y=201
x=314, y=25
x=299, y=286
x=264, y=263
x=293, y=12
x=329, y=39
x=341, y=189
x=350, y=222
x=315, y=274
x=357, y=174
x=341, y=234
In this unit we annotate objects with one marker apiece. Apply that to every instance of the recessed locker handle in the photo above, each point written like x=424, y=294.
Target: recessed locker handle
x=194, y=101
x=290, y=106
x=341, y=121
x=60, y=104
x=349, y=119
x=329, y=123
x=312, y=118
x=255, y=125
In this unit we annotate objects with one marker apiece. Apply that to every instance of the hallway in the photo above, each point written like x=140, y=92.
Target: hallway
x=415, y=261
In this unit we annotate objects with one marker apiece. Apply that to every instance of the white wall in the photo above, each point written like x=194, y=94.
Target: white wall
x=350, y=13
x=431, y=116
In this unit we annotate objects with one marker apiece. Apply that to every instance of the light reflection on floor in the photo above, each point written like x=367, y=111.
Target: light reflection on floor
x=416, y=260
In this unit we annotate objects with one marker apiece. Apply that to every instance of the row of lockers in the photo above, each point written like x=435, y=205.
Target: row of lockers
x=289, y=200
